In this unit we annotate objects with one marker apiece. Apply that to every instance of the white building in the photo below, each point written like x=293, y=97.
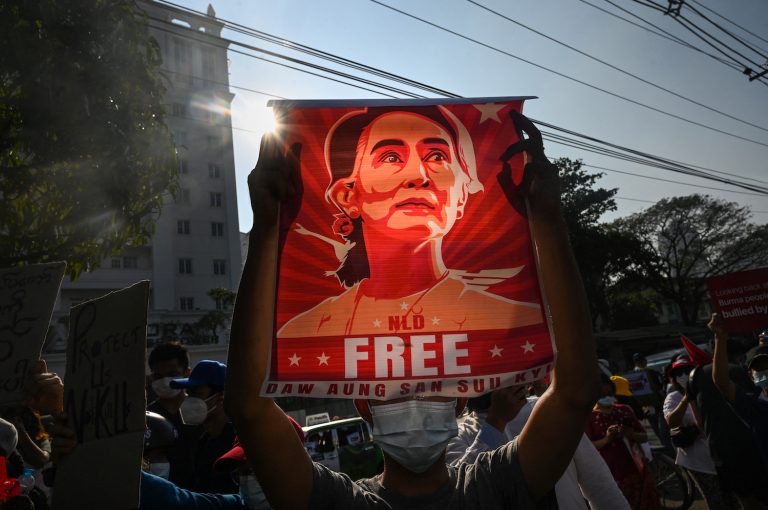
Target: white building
x=197, y=242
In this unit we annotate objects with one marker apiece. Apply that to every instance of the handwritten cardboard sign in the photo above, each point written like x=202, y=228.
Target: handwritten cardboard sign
x=27, y=296
x=741, y=299
x=105, y=401
x=406, y=268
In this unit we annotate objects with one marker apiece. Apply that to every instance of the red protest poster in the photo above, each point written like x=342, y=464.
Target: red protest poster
x=741, y=299
x=407, y=270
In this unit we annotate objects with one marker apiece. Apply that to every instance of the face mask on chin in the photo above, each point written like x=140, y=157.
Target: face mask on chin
x=161, y=469
x=162, y=388
x=682, y=380
x=415, y=432
x=194, y=410
x=252, y=494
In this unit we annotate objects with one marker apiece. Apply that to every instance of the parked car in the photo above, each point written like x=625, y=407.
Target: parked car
x=345, y=446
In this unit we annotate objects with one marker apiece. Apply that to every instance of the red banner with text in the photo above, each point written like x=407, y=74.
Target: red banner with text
x=741, y=299
x=407, y=268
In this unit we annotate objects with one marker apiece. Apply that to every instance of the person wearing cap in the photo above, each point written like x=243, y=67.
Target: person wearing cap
x=169, y=361
x=692, y=449
x=204, y=406
x=757, y=364
x=413, y=432
x=235, y=463
x=624, y=395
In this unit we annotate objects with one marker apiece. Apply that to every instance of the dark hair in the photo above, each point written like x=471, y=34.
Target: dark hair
x=342, y=151
x=169, y=351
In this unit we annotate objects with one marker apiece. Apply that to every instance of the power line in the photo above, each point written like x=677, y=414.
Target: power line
x=669, y=164
x=727, y=20
x=699, y=33
x=659, y=32
x=724, y=30
x=616, y=68
x=571, y=78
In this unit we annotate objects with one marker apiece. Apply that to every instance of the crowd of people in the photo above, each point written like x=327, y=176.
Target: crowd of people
x=212, y=442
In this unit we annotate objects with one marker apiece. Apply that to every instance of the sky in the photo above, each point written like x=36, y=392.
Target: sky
x=372, y=34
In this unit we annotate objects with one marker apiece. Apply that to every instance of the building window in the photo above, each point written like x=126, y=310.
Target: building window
x=219, y=266
x=180, y=138
x=183, y=166
x=185, y=196
x=130, y=262
x=185, y=266
x=187, y=303
x=116, y=263
x=215, y=199
x=180, y=52
x=179, y=110
x=213, y=142
x=208, y=63
x=217, y=229
x=182, y=226
x=214, y=172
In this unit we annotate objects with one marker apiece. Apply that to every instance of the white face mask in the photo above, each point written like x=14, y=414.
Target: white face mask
x=682, y=380
x=607, y=401
x=162, y=388
x=761, y=379
x=252, y=494
x=194, y=410
x=415, y=432
x=161, y=469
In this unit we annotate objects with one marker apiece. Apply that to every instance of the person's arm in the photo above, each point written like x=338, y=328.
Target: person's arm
x=29, y=450
x=609, y=436
x=674, y=415
x=271, y=445
x=547, y=442
x=595, y=479
x=720, y=360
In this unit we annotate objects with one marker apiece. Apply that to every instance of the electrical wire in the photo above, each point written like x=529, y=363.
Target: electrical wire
x=726, y=19
x=726, y=31
x=669, y=164
x=571, y=78
x=616, y=68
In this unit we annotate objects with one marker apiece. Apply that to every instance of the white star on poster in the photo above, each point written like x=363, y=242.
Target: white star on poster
x=528, y=347
x=323, y=359
x=377, y=323
x=403, y=305
x=294, y=360
x=435, y=321
x=489, y=111
x=496, y=351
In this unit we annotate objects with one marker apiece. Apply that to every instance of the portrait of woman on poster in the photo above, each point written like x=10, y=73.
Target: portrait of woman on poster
x=401, y=179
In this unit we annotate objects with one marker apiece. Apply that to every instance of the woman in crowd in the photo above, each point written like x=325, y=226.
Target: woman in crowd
x=689, y=440
x=617, y=433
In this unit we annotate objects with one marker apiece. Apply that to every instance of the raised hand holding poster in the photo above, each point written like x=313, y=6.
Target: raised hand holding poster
x=407, y=269
x=105, y=401
x=27, y=297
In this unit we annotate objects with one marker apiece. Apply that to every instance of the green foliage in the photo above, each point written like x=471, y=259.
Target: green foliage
x=684, y=240
x=85, y=158
x=598, y=249
x=220, y=317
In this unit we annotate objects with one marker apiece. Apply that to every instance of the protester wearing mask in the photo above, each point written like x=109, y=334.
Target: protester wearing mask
x=689, y=439
x=235, y=463
x=156, y=493
x=169, y=361
x=587, y=482
x=617, y=433
x=735, y=419
x=520, y=474
x=757, y=364
x=204, y=406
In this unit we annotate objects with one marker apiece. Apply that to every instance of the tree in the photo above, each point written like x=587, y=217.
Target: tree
x=220, y=317
x=599, y=250
x=85, y=158
x=685, y=240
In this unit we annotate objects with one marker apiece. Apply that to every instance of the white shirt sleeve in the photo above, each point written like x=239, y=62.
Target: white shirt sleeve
x=671, y=402
x=595, y=478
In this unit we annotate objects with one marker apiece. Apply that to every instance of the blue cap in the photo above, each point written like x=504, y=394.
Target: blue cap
x=206, y=373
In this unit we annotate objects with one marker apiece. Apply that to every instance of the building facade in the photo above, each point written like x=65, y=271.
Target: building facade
x=197, y=245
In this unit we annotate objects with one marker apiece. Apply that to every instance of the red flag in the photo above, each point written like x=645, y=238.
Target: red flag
x=696, y=355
